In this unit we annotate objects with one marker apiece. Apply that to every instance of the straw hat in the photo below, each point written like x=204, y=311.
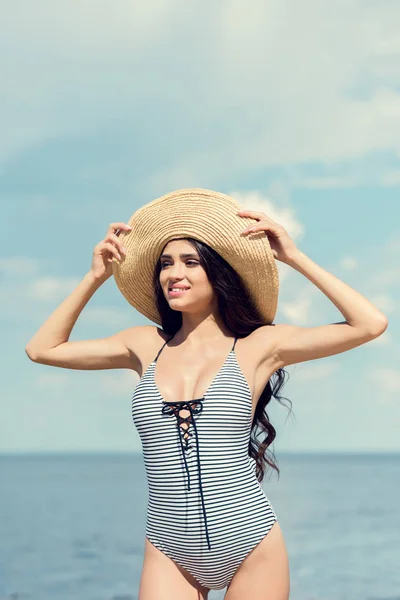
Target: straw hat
x=206, y=216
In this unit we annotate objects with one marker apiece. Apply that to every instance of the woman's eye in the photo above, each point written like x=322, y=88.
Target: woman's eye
x=188, y=262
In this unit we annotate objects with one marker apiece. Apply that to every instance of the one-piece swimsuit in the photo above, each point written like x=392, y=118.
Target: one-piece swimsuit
x=206, y=508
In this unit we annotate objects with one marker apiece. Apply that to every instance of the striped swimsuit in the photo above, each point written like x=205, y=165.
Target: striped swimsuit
x=206, y=508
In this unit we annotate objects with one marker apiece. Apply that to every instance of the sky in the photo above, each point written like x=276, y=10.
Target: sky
x=291, y=108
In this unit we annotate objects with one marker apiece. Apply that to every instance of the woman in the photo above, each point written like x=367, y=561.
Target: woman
x=186, y=263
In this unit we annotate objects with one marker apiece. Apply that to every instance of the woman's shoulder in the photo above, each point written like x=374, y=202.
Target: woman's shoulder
x=148, y=333
x=144, y=341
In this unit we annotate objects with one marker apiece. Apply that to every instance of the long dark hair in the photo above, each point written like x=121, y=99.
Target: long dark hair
x=240, y=316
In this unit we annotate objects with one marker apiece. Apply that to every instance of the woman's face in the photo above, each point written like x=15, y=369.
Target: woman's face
x=180, y=266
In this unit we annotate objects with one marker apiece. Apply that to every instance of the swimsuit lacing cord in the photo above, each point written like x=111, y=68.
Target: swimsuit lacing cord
x=175, y=408
x=184, y=459
x=171, y=408
x=200, y=484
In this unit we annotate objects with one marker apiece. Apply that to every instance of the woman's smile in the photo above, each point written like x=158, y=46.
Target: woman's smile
x=175, y=293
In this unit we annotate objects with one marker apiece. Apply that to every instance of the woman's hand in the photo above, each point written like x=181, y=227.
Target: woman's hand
x=282, y=245
x=105, y=250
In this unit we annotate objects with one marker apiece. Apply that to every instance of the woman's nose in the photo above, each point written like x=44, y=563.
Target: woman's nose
x=177, y=270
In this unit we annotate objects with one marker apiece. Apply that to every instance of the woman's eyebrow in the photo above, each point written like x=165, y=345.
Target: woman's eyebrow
x=181, y=255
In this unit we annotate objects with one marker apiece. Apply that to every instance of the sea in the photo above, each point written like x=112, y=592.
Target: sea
x=72, y=527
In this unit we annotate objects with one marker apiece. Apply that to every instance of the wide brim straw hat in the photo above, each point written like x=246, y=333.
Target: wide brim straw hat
x=209, y=217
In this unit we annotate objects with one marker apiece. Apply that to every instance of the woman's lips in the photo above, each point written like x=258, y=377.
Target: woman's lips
x=172, y=294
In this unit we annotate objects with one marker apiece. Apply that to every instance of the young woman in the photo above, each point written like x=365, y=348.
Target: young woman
x=185, y=261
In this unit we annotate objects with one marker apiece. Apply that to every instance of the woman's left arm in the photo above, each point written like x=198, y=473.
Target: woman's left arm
x=364, y=322
x=294, y=344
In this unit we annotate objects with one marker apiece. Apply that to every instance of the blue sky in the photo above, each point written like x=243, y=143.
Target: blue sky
x=292, y=108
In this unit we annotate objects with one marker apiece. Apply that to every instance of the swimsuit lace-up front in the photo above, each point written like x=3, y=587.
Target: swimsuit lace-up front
x=194, y=407
x=206, y=508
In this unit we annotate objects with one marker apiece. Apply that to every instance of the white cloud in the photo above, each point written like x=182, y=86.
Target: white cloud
x=350, y=263
x=69, y=65
x=389, y=274
x=309, y=94
x=316, y=370
x=98, y=28
x=326, y=183
x=53, y=380
x=391, y=178
x=255, y=200
x=387, y=384
x=119, y=381
x=384, y=302
x=298, y=311
x=19, y=266
x=51, y=288
x=105, y=314
x=392, y=244
x=250, y=84
x=383, y=340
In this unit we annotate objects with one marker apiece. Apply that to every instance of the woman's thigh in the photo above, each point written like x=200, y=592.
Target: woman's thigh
x=163, y=579
x=264, y=573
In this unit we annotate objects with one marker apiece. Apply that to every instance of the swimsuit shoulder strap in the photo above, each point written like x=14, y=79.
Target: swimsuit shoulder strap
x=234, y=343
x=162, y=347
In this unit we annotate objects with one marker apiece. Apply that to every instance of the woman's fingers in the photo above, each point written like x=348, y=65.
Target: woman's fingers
x=262, y=223
x=118, y=227
x=112, y=249
x=114, y=238
x=107, y=249
x=250, y=213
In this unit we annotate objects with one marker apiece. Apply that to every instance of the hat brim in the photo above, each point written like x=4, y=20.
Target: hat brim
x=209, y=217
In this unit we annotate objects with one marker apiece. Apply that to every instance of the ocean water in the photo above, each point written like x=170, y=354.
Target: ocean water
x=72, y=526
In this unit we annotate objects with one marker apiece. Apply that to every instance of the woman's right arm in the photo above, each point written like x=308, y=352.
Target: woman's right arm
x=50, y=343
